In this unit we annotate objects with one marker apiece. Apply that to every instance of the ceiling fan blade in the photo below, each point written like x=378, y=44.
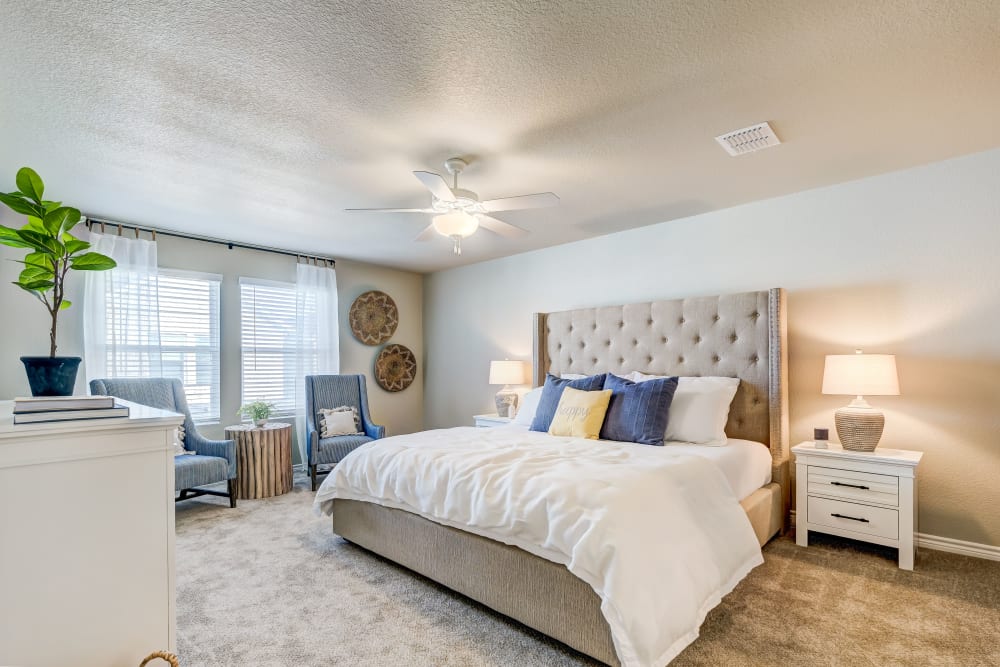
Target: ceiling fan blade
x=539, y=200
x=435, y=184
x=504, y=229
x=427, y=234
x=389, y=210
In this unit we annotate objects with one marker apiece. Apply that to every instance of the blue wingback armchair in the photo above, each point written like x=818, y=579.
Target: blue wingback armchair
x=213, y=461
x=333, y=391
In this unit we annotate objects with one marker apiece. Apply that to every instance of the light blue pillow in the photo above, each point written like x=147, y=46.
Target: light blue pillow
x=638, y=411
x=552, y=392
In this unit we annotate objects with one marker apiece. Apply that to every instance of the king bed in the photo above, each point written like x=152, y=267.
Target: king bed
x=737, y=335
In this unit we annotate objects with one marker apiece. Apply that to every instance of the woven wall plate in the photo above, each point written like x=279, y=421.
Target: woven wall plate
x=374, y=317
x=395, y=367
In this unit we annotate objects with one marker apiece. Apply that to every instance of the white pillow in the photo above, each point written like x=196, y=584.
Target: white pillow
x=572, y=376
x=528, y=407
x=338, y=422
x=179, y=442
x=700, y=409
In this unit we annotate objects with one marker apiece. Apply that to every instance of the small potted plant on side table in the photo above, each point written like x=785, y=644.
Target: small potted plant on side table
x=258, y=412
x=52, y=252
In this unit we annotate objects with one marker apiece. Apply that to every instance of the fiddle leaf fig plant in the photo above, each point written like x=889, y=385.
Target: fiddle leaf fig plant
x=52, y=250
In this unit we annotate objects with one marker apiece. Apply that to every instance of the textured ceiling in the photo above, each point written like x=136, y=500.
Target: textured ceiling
x=260, y=121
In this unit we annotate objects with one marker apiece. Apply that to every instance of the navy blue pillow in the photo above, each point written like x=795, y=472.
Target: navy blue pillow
x=638, y=411
x=552, y=392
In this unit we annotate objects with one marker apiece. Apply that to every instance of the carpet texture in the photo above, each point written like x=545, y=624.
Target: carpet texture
x=268, y=584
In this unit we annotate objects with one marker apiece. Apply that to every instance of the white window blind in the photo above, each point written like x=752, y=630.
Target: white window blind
x=183, y=307
x=269, y=343
x=189, y=338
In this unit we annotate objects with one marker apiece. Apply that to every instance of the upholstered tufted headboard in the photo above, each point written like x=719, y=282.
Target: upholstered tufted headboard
x=735, y=335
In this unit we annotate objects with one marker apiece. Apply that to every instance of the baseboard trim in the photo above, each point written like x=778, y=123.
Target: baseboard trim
x=962, y=547
x=949, y=545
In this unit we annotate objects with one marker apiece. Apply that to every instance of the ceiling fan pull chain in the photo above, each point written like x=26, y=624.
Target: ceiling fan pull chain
x=457, y=247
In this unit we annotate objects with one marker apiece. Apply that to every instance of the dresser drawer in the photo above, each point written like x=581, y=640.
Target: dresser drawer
x=851, y=516
x=862, y=487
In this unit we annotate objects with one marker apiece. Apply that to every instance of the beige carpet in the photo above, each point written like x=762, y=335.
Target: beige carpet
x=267, y=584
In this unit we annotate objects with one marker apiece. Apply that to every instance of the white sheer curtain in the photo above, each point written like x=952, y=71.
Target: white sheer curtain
x=121, y=314
x=317, y=333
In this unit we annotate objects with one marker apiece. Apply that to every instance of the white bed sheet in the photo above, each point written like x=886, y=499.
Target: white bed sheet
x=745, y=463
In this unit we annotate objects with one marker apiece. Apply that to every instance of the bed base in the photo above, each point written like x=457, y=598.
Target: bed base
x=536, y=592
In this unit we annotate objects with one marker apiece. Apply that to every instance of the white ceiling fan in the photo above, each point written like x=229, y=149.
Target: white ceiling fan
x=458, y=213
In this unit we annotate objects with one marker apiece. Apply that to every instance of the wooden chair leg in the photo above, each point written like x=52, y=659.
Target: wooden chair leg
x=232, y=492
x=312, y=474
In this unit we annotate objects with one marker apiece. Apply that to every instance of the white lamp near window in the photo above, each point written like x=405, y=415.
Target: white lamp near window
x=859, y=425
x=507, y=372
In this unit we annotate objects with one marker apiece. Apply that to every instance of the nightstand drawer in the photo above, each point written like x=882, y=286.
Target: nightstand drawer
x=851, y=516
x=861, y=487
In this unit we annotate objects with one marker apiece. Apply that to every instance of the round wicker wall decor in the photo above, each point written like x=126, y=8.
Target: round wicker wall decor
x=374, y=317
x=395, y=367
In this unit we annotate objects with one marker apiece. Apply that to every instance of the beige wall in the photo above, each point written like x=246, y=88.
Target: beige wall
x=903, y=263
x=25, y=326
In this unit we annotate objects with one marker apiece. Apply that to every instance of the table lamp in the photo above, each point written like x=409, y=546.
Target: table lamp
x=859, y=425
x=507, y=372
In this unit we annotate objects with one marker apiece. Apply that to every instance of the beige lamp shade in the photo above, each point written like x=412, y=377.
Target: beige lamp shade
x=508, y=372
x=861, y=375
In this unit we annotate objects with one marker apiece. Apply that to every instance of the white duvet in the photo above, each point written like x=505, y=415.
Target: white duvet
x=658, y=534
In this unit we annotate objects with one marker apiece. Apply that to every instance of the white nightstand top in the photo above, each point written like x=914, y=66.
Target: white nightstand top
x=880, y=455
x=491, y=420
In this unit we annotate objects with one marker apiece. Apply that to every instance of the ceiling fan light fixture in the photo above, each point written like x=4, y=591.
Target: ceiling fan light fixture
x=456, y=223
x=458, y=213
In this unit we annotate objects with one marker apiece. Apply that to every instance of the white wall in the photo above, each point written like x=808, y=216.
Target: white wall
x=24, y=330
x=903, y=263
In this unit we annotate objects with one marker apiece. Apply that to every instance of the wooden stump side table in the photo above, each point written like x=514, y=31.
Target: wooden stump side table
x=263, y=459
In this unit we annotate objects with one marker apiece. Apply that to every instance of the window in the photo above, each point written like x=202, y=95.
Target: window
x=189, y=338
x=166, y=325
x=269, y=344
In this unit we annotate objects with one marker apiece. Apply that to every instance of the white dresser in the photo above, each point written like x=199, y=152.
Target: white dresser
x=87, y=539
x=868, y=496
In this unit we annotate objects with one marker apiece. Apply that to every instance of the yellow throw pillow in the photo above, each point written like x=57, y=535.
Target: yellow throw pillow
x=580, y=414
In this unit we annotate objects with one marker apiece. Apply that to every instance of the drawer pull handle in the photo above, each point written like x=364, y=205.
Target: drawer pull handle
x=853, y=486
x=852, y=518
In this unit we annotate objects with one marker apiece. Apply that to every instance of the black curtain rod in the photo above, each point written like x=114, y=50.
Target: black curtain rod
x=208, y=239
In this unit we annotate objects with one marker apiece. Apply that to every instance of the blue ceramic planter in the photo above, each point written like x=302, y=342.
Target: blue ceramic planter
x=51, y=376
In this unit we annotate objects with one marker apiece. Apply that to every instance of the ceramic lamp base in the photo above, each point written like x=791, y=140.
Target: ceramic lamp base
x=506, y=401
x=859, y=426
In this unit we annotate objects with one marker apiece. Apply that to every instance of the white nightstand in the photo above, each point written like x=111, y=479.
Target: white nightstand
x=869, y=496
x=489, y=421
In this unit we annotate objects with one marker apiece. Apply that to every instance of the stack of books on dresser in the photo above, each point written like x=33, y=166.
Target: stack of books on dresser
x=42, y=409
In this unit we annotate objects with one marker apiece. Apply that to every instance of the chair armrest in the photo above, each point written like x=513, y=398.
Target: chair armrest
x=313, y=448
x=374, y=431
x=224, y=449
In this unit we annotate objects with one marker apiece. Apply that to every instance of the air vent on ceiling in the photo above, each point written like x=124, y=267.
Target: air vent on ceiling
x=749, y=139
